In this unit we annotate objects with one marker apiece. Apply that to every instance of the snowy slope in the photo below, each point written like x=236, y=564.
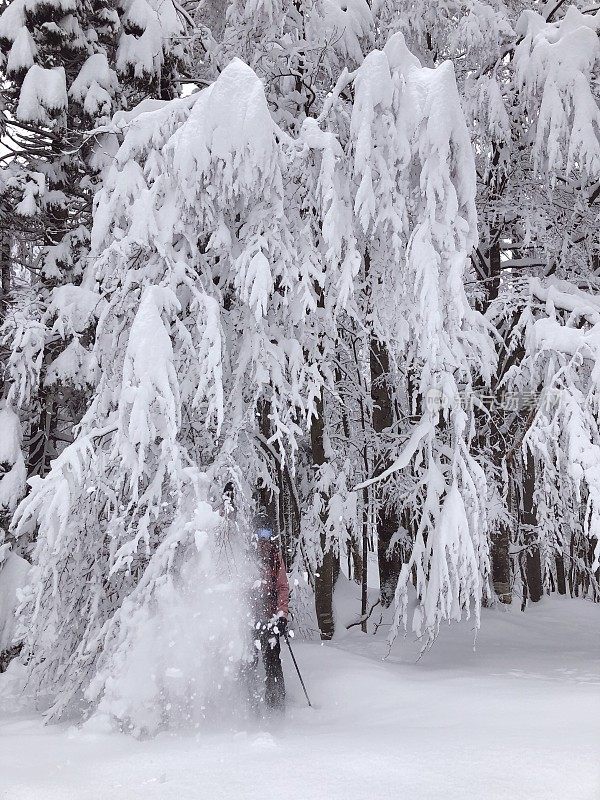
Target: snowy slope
x=518, y=718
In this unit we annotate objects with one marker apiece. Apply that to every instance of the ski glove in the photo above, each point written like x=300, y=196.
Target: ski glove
x=279, y=625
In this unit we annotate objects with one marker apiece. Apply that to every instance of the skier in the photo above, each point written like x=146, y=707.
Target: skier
x=269, y=601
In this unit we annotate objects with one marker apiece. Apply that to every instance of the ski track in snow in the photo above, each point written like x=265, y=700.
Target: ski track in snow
x=517, y=719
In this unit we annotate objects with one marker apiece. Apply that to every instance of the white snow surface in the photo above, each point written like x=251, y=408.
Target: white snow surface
x=517, y=718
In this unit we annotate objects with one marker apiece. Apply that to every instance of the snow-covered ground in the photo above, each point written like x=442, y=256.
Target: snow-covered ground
x=517, y=718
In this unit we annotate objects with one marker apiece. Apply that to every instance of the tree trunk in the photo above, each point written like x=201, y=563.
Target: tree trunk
x=266, y=496
x=4, y=293
x=41, y=440
x=364, y=574
x=533, y=561
x=387, y=522
x=5, y=273
x=325, y=577
x=355, y=559
x=500, y=538
x=561, y=583
x=42, y=434
x=500, y=556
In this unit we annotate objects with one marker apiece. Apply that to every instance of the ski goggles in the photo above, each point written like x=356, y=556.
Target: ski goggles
x=264, y=533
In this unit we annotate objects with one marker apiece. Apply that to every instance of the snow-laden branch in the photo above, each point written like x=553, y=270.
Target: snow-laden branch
x=422, y=430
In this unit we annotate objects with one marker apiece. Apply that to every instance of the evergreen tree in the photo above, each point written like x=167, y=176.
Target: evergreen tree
x=69, y=67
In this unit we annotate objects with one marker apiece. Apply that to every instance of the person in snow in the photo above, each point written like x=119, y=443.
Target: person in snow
x=270, y=600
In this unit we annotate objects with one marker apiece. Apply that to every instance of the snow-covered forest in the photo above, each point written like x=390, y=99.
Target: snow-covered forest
x=337, y=261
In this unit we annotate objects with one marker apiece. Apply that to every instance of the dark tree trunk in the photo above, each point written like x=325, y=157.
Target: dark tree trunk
x=4, y=294
x=41, y=440
x=534, y=575
x=364, y=574
x=500, y=541
x=325, y=577
x=500, y=544
x=355, y=560
x=387, y=522
x=289, y=515
x=561, y=583
x=500, y=538
x=533, y=563
x=495, y=266
x=5, y=273
x=266, y=496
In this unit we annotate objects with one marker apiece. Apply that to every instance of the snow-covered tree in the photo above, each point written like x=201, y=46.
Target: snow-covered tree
x=322, y=277
x=201, y=303
x=541, y=208
x=423, y=317
x=68, y=67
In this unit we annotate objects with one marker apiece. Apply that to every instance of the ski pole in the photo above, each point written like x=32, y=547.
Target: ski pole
x=285, y=636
